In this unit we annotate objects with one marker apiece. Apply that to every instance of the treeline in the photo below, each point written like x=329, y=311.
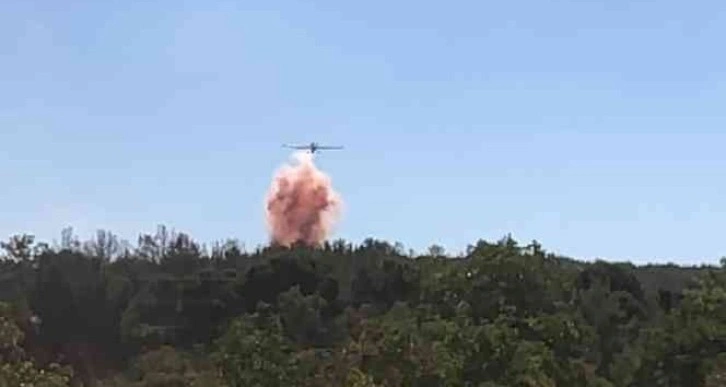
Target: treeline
x=169, y=312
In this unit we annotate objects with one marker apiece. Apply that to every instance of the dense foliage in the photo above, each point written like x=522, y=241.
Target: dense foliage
x=169, y=312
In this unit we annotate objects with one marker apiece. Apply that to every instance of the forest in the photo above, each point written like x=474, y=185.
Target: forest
x=169, y=311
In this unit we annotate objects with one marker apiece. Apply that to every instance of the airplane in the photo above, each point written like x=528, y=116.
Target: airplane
x=313, y=147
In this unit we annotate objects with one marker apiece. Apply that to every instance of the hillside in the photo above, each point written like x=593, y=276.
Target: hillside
x=170, y=312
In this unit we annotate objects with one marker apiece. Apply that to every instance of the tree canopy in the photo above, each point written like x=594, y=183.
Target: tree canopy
x=169, y=311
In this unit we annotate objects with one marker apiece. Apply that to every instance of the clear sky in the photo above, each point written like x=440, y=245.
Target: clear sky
x=595, y=127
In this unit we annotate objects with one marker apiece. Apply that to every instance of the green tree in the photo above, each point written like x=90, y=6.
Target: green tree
x=254, y=352
x=16, y=369
x=167, y=367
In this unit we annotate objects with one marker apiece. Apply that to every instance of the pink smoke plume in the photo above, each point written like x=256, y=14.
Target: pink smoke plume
x=301, y=205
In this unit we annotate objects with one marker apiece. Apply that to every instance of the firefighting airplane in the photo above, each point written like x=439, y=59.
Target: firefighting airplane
x=313, y=147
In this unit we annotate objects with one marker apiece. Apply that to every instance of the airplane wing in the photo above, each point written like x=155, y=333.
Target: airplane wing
x=296, y=146
x=329, y=147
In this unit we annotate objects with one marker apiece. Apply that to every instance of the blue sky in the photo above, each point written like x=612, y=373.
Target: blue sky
x=594, y=127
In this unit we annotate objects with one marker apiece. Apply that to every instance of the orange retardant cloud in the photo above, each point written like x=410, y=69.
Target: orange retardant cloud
x=301, y=205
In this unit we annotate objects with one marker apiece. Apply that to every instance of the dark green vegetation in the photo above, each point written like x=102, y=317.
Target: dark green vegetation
x=167, y=312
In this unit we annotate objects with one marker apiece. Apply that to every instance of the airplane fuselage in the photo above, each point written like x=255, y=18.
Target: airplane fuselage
x=313, y=147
